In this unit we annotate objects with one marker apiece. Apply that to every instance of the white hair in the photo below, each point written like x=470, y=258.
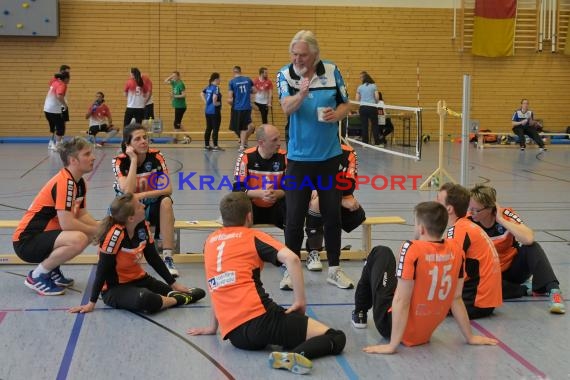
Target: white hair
x=309, y=38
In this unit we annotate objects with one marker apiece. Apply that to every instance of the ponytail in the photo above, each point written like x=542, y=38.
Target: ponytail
x=120, y=210
x=104, y=226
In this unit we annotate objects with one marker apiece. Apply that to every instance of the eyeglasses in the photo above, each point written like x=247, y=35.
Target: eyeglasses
x=477, y=211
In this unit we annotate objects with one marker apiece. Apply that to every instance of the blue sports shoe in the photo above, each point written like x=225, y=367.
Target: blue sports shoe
x=59, y=279
x=43, y=284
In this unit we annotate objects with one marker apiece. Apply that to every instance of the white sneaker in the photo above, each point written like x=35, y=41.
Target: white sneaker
x=286, y=283
x=51, y=145
x=169, y=262
x=338, y=278
x=314, y=261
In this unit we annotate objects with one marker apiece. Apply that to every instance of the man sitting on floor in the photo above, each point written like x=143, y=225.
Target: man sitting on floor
x=410, y=300
x=233, y=260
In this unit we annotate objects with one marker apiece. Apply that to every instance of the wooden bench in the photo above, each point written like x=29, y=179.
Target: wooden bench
x=211, y=225
x=482, y=144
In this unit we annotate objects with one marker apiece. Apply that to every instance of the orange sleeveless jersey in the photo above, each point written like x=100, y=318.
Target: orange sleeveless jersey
x=233, y=260
x=435, y=268
x=482, y=267
x=129, y=253
x=60, y=193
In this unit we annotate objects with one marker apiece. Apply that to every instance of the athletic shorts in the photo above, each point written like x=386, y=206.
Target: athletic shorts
x=273, y=327
x=270, y=215
x=37, y=248
x=65, y=114
x=56, y=123
x=242, y=119
x=94, y=129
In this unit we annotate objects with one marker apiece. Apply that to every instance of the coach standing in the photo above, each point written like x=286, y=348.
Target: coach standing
x=313, y=96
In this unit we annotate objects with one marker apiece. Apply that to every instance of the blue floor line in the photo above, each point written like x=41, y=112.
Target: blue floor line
x=340, y=359
x=74, y=337
x=351, y=304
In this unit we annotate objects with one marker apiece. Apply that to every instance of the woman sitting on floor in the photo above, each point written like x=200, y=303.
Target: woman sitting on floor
x=124, y=240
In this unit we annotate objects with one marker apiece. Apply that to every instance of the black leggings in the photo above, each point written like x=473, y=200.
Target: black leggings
x=264, y=111
x=322, y=174
x=530, y=260
x=367, y=114
x=178, y=115
x=521, y=130
x=376, y=288
x=212, y=128
x=140, y=295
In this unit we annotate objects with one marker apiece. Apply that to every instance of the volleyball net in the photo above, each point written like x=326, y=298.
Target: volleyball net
x=400, y=129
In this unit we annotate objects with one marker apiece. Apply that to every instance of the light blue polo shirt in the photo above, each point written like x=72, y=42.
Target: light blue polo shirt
x=309, y=138
x=367, y=91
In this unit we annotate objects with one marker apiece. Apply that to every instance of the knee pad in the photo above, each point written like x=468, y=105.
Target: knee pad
x=338, y=339
x=315, y=232
x=148, y=301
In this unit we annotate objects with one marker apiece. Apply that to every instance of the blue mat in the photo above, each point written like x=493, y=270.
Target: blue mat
x=559, y=137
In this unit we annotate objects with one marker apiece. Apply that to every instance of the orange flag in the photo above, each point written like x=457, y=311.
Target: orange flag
x=494, y=28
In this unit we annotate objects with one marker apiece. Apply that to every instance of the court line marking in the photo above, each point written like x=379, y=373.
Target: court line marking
x=340, y=359
x=75, y=330
x=33, y=167
x=23, y=275
x=2, y=315
x=525, y=363
x=184, y=339
x=545, y=175
x=106, y=308
x=551, y=163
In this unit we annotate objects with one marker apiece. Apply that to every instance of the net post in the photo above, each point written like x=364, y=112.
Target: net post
x=465, y=130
